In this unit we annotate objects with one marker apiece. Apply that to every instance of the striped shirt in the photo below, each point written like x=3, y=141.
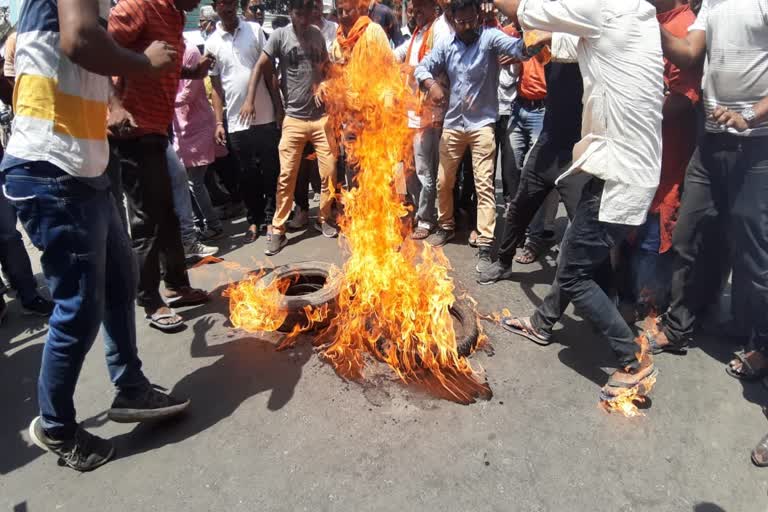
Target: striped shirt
x=61, y=109
x=737, y=51
x=135, y=24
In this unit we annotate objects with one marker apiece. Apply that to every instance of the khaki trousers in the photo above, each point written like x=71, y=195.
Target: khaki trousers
x=453, y=145
x=296, y=134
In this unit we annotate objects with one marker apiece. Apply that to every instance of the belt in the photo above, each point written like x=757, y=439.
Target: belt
x=531, y=104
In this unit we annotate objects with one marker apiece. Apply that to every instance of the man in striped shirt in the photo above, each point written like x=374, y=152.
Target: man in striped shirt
x=141, y=112
x=53, y=173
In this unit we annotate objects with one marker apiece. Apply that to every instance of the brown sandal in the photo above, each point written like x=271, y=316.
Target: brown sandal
x=420, y=233
x=747, y=372
x=529, y=254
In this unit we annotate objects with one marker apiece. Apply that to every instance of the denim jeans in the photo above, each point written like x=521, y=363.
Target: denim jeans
x=182, y=201
x=13, y=255
x=546, y=162
x=586, y=248
x=90, y=270
x=202, y=199
x=256, y=152
x=725, y=197
x=523, y=131
x=426, y=155
x=647, y=273
x=154, y=224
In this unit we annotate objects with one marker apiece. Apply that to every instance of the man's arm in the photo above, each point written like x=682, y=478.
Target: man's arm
x=684, y=53
x=217, y=97
x=85, y=42
x=582, y=18
x=432, y=65
x=262, y=69
x=507, y=46
x=735, y=120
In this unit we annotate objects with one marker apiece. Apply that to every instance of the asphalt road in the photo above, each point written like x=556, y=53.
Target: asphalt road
x=280, y=431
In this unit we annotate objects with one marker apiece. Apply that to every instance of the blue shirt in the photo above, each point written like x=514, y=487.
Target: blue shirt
x=473, y=72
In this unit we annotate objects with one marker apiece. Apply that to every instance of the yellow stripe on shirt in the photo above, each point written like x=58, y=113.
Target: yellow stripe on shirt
x=38, y=97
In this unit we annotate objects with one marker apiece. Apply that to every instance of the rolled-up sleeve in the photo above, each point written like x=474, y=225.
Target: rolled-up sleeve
x=582, y=18
x=507, y=45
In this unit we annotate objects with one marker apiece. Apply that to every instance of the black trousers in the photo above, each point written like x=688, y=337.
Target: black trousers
x=546, y=162
x=154, y=226
x=584, y=252
x=725, y=198
x=309, y=174
x=256, y=152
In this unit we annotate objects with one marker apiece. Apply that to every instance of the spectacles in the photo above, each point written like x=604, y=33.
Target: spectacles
x=256, y=8
x=467, y=21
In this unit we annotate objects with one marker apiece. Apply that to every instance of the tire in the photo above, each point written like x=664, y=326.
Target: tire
x=309, y=287
x=465, y=326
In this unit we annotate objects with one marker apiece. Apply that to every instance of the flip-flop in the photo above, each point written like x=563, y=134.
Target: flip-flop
x=420, y=233
x=189, y=297
x=648, y=373
x=751, y=374
x=679, y=348
x=529, y=254
x=761, y=450
x=526, y=330
x=155, y=321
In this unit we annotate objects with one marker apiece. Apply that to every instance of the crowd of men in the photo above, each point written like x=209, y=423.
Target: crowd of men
x=647, y=119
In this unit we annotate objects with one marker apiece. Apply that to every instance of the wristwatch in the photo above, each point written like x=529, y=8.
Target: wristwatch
x=749, y=116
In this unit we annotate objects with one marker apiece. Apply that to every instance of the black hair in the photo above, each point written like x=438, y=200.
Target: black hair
x=300, y=4
x=456, y=5
x=280, y=21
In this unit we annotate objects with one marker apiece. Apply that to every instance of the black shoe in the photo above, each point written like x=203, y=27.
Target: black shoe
x=38, y=307
x=275, y=243
x=3, y=309
x=496, y=272
x=484, y=261
x=148, y=404
x=440, y=237
x=83, y=452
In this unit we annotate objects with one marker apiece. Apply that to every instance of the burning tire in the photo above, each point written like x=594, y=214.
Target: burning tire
x=309, y=287
x=465, y=327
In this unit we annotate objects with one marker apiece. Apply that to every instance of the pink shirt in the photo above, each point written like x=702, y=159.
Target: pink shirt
x=194, y=124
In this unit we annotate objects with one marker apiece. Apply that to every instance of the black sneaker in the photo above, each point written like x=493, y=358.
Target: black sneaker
x=84, y=452
x=149, y=404
x=327, y=229
x=484, y=261
x=496, y=272
x=275, y=243
x=38, y=307
x=440, y=237
x=3, y=309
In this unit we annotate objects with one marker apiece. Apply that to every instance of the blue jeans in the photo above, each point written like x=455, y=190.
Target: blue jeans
x=91, y=271
x=13, y=255
x=426, y=155
x=182, y=201
x=525, y=125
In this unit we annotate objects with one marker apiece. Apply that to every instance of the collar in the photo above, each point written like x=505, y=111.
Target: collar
x=220, y=27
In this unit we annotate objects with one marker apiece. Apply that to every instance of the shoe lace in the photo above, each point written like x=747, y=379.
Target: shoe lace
x=81, y=447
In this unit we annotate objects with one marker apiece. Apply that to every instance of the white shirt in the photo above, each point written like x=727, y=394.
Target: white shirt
x=509, y=76
x=441, y=30
x=618, y=46
x=737, y=51
x=328, y=29
x=236, y=55
x=401, y=53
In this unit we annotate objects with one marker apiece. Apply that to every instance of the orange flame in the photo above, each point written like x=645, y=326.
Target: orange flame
x=254, y=304
x=627, y=401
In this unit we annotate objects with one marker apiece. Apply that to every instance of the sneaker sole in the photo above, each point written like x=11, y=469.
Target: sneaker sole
x=142, y=415
x=272, y=253
x=29, y=312
x=40, y=444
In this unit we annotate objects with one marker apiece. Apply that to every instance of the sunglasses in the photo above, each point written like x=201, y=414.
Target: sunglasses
x=256, y=8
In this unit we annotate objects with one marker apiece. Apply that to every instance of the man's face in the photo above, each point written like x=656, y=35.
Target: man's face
x=302, y=18
x=423, y=11
x=255, y=11
x=466, y=23
x=227, y=10
x=349, y=12
x=187, y=5
x=317, y=12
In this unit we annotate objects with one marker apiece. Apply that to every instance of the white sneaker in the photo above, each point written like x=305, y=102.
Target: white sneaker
x=300, y=219
x=199, y=250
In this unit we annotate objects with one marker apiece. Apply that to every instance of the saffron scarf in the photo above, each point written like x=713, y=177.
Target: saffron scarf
x=347, y=42
x=426, y=43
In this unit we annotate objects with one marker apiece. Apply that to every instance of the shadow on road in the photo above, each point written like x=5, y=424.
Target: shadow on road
x=245, y=367
x=707, y=507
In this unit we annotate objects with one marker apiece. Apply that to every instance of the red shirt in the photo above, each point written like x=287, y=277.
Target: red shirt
x=135, y=24
x=687, y=82
x=533, y=80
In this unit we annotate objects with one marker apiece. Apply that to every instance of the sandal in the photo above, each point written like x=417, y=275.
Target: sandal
x=187, y=296
x=760, y=453
x=751, y=373
x=251, y=235
x=156, y=320
x=680, y=347
x=523, y=327
x=530, y=253
x=617, y=385
x=420, y=233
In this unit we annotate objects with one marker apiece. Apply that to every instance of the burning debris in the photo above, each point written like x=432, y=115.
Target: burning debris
x=394, y=295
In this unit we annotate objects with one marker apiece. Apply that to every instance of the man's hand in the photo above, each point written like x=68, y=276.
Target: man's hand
x=221, y=135
x=321, y=94
x=120, y=122
x=536, y=40
x=205, y=65
x=436, y=94
x=509, y=9
x=729, y=118
x=247, y=112
x=506, y=60
x=161, y=55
